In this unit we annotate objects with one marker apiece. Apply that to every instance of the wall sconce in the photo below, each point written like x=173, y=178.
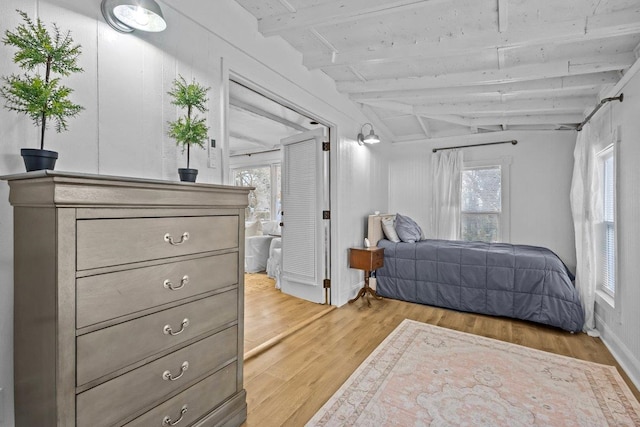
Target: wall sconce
x=126, y=15
x=372, y=138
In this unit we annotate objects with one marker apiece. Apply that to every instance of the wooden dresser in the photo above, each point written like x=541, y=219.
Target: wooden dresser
x=129, y=301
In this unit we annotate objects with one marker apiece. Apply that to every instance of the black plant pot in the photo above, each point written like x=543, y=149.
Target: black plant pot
x=35, y=159
x=188, y=175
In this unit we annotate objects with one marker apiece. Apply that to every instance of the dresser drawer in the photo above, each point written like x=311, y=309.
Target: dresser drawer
x=193, y=403
x=107, y=296
x=109, y=349
x=127, y=394
x=107, y=242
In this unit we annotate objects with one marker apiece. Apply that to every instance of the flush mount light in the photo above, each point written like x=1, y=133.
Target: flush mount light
x=371, y=138
x=128, y=15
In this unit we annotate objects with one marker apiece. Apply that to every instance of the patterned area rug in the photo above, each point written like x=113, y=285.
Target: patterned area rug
x=427, y=375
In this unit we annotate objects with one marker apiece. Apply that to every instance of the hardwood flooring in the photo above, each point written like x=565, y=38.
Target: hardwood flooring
x=288, y=383
x=270, y=314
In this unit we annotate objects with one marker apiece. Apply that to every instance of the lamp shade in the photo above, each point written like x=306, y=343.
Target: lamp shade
x=127, y=15
x=370, y=138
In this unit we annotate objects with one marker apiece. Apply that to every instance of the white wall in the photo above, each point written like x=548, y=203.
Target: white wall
x=123, y=128
x=619, y=326
x=540, y=179
x=363, y=181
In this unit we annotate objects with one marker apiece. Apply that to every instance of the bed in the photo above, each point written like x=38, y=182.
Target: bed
x=518, y=281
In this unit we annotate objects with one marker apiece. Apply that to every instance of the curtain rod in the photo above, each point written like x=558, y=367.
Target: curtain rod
x=255, y=152
x=599, y=106
x=513, y=141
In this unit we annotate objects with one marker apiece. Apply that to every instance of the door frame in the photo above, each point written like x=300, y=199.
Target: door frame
x=227, y=74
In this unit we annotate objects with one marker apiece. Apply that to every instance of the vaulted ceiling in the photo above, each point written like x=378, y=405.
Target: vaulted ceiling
x=425, y=69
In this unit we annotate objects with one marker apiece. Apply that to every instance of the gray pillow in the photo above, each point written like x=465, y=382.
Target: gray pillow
x=389, y=229
x=408, y=230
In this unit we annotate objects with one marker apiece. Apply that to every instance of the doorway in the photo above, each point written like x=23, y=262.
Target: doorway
x=259, y=128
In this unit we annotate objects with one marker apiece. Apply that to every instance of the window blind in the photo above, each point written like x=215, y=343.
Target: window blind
x=608, y=258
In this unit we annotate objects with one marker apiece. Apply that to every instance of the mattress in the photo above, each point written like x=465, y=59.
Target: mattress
x=517, y=281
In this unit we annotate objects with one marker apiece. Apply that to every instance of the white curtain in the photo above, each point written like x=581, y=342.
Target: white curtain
x=446, y=169
x=586, y=202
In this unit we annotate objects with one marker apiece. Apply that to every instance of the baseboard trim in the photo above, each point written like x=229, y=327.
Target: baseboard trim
x=627, y=361
x=351, y=292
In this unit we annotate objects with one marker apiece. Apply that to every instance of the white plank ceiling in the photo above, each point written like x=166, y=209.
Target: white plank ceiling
x=257, y=124
x=423, y=69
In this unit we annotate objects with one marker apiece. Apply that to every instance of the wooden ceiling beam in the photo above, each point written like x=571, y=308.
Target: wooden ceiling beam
x=522, y=107
x=598, y=27
x=287, y=6
x=575, y=105
x=503, y=20
x=540, y=119
x=520, y=73
x=450, y=118
x=580, y=82
x=424, y=125
x=335, y=12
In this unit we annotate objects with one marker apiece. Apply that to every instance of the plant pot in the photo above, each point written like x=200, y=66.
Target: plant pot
x=36, y=159
x=188, y=175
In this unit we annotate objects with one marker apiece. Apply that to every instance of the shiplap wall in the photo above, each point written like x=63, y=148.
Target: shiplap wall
x=540, y=179
x=123, y=128
x=619, y=326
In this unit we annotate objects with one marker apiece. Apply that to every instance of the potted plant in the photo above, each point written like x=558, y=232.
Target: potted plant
x=189, y=129
x=42, y=98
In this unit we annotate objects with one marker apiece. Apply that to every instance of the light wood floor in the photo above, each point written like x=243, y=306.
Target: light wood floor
x=288, y=383
x=269, y=313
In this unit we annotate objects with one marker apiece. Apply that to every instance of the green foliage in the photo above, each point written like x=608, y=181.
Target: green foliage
x=31, y=94
x=189, y=95
x=190, y=129
x=36, y=47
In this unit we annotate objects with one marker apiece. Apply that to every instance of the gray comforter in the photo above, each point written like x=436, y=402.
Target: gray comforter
x=522, y=282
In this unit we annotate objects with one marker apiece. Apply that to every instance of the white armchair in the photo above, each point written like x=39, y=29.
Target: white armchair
x=274, y=263
x=256, y=253
x=258, y=237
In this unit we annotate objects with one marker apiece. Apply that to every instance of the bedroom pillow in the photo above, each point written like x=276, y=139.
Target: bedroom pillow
x=253, y=228
x=408, y=230
x=389, y=229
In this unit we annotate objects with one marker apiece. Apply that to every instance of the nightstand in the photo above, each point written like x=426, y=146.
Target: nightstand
x=367, y=259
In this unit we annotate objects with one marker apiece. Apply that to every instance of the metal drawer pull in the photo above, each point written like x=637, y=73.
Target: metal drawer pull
x=184, y=238
x=168, y=285
x=168, y=331
x=167, y=420
x=166, y=375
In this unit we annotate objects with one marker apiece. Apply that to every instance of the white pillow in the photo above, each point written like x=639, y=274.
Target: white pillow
x=389, y=229
x=253, y=228
x=270, y=227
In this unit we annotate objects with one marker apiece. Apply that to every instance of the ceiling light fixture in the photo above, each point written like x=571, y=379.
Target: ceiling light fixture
x=371, y=138
x=128, y=15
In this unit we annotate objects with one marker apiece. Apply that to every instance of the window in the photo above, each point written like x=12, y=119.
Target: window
x=608, y=239
x=265, y=200
x=481, y=204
